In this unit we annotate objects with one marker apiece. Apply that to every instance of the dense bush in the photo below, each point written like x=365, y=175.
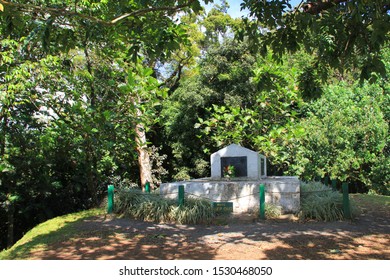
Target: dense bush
x=345, y=137
x=151, y=207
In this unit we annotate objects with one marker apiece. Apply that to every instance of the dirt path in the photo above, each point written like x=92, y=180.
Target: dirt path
x=368, y=237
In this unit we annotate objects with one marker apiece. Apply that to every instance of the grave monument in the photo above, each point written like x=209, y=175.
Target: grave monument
x=236, y=174
x=246, y=163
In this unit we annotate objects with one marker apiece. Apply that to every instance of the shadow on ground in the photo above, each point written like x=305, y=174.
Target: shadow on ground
x=101, y=237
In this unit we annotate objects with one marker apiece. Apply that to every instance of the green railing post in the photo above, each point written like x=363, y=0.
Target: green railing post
x=180, y=201
x=262, y=202
x=326, y=181
x=346, y=206
x=147, y=187
x=334, y=184
x=110, y=199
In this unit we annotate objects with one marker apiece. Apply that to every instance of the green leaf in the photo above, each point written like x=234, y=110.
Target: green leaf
x=130, y=79
x=13, y=198
x=107, y=114
x=147, y=72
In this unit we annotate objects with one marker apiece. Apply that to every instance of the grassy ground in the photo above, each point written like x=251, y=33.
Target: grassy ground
x=374, y=200
x=51, y=231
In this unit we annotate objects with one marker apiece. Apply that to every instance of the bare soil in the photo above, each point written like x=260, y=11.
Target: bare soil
x=103, y=237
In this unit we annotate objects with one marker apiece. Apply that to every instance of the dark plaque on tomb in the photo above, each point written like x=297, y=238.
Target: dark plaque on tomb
x=223, y=207
x=239, y=164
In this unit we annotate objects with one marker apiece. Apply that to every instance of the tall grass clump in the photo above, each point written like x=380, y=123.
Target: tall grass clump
x=151, y=207
x=272, y=211
x=321, y=203
x=194, y=211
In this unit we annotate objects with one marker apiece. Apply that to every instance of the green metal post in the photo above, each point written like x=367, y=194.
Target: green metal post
x=110, y=199
x=262, y=201
x=181, y=196
x=326, y=181
x=334, y=184
x=147, y=187
x=346, y=206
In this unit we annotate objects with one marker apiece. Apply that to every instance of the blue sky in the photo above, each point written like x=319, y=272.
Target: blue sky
x=235, y=8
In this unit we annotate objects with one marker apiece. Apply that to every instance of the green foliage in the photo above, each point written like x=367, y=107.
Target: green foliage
x=66, y=128
x=266, y=121
x=380, y=176
x=151, y=207
x=225, y=78
x=343, y=34
x=345, y=134
x=77, y=78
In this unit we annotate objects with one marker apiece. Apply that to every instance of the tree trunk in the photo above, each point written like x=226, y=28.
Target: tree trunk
x=10, y=222
x=91, y=172
x=145, y=167
x=91, y=157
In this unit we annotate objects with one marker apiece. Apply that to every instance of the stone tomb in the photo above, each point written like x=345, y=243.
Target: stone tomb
x=241, y=190
x=246, y=163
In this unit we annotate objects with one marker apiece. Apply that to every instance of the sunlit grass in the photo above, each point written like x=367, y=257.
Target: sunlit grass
x=53, y=230
x=373, y=200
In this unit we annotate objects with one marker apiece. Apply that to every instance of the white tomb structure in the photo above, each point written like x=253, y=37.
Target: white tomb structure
x=247, y=163
x=242, y=189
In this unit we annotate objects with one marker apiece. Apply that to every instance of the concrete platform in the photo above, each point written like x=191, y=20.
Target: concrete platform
x=243, y=192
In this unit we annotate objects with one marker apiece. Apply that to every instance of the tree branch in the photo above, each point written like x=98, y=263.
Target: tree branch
x=152, y=9
x=65, y=12
x=317, y=7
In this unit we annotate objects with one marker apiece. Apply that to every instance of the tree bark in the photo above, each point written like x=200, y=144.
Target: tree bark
x=91, y=157
x=145, y=166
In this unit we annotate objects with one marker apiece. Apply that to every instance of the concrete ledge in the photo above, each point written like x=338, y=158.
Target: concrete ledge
x=244, y=193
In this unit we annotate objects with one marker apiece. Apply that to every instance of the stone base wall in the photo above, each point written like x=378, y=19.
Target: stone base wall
x=244, y=193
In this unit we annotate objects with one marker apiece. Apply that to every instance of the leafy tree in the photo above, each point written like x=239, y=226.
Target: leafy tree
x=65, y=127
x=218, y=26
x=224, y=77
x=266, y=122
x=142, y=96
x=345, y=135
x=344, y=34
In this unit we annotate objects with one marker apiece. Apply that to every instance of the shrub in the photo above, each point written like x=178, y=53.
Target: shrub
x=194, y=211
x=346, y=133
x=151, y=207
x=321, y=203
x=272, y=211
